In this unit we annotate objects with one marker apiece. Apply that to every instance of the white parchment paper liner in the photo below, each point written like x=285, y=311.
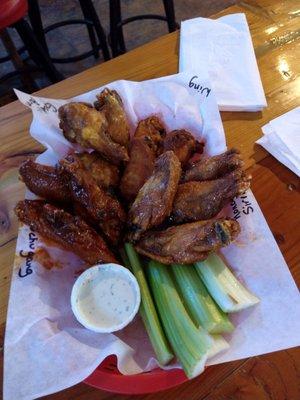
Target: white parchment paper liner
x=47, y=350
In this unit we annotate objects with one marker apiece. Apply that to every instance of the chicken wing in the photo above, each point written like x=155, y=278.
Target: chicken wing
x=140, y=166
x=144, y=148
x=196, y=201
x=65, y=230
x=153, y=128
x=182, y=143
x=214, y=167
x=155, y=199
x=105, y=174
x=44, y=181
x=188, y=243
x=102, y=208
x=110, y=104
x=88, y=127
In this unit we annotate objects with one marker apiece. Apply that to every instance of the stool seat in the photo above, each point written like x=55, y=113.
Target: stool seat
x=11, y=11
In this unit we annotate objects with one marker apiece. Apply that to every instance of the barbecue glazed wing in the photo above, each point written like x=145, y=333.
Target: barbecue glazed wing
x=65, y=230
x=103, y=209
x=188, y=243
x=110, y=104
x=214, y=167
x=155, y=199
x=88, y=127
x=182, y=143
x=105, y=174
x=144, y=148
x=196, y=201
x=44, y=181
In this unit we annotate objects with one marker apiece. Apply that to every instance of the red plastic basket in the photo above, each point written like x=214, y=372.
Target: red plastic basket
x=107, y=377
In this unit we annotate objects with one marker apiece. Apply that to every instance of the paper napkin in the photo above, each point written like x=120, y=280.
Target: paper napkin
x=223, y=49
x=282, y=139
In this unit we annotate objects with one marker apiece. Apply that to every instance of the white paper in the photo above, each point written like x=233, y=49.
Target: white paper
x=47, y=350
x=282, y=139
x=223, y=49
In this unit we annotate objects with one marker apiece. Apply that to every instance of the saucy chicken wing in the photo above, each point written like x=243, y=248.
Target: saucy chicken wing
x=45, y=181
x=155, y=199
x=105, y=174
x=214, y=167
x=188, y=243
x=88, y=127
x=196, y=201
x=144, y=148
x=103, y=209
x=65, y=230
x=110, y=104
x=182, y=143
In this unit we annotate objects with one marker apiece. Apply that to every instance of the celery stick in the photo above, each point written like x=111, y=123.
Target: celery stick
x=198, y=302
x=223, y=286
x=190, y=344
x=219, y=344
x=147, y=310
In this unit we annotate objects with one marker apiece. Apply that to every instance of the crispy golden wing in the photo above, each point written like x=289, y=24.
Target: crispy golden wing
x=88, y=127
x=188, y=243
x=110, y=104
x=155, y=199
x=65, y=230
x=196, y=201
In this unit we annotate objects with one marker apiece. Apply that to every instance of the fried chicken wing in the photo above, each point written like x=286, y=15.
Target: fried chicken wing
x=140, y=166
x=182, y=143
x=214, y=167
x=153, y=128
x=188, y=243
x=103, y=209
x=144, y=148
x=203, y=200
x=155, y=199
x=110, y=103
x=105, y=174
x=65, y=230
x=45, y=181
x=88, y=127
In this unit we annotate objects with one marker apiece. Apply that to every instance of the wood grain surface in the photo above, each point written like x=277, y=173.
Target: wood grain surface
x=274, y=27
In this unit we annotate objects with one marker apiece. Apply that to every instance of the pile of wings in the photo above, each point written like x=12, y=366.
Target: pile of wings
x=156, y=190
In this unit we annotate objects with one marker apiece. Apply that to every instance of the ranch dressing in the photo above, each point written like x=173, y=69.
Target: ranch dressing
x=105, y=298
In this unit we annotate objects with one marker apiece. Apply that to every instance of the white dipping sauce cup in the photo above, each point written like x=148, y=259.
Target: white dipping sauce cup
x=105, y=298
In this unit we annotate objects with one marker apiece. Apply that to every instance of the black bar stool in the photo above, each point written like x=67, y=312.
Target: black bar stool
x=117, y=42
x=12, y=15
x=91, y=21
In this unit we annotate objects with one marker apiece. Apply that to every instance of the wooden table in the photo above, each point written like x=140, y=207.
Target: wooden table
x=275, y=31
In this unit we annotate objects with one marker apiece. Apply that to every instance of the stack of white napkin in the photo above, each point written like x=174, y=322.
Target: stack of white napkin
x=223, y=49
x=282, y=139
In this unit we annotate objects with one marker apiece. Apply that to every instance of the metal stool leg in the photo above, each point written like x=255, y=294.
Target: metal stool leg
x=36, y=23
x=91, y=14
x=117, y=42
x=121, y=41
x=36, y=51
x=90, y=30
x=17, y=61
x=170, y=14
